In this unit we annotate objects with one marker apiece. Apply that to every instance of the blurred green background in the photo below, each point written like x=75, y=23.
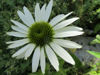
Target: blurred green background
x=87, y=10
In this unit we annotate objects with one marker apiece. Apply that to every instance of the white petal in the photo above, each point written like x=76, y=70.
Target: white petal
x=28, y=16
x=67, y=43
x=20, y=25
x=62, y=53
x=65, y=23
x=59, y=18
x=56, y=19
x=16, y=34
x=23, y=18
x=10, y=42
x=42, y=61
x=20, y=56
x=18, y=43
x=52, y=58
x=68, y=34
x=37, y=13
x=35, y=59
x=49, y=9
x=29, y=51
x=18, y=29
x=43, y=13
x=68, y=28
x=22, y=50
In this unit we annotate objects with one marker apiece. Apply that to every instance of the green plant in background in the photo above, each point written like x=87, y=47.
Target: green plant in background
x=96, y=54
x=96, y=66
x=95, y=69
x=97, y=27
x=89, y=13
x=95, y=41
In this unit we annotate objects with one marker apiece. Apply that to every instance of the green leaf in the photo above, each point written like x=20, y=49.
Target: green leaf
x=98, y=37
x=98, y=10
x=97, y=28
x=95, y=41
x=96, y=54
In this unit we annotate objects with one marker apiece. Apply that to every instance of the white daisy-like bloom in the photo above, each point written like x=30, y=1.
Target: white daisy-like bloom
x=40, y=37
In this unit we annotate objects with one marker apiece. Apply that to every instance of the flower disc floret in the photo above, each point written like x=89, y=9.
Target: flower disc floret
x=40, y=33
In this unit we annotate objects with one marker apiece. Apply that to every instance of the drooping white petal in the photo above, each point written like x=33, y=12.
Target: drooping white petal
x=20, y=25
x=52, y=58
x=68, y=34
x=43, y=11
x=62, y=53
x=69, y=28
x=22, y=50
x=42, y=60
x=18, y=43
x=23, y=18
x=65, y=23
x=48, y=10
x=37, y=13
x=29, y=51
x=19, y=29
x=28, y=15
x=59, y=18
x=67, y=43
x=16, y=34
x=35, y=59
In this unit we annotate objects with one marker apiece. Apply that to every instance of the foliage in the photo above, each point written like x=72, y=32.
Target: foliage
x=95, y=41
x=96, y=67
x=89, y=13
x=95, y=70
x=96, y=54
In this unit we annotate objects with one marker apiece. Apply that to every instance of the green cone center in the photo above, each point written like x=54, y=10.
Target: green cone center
x=40, y=33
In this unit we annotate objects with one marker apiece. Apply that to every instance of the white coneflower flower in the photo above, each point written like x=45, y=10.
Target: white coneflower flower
x=41, y=37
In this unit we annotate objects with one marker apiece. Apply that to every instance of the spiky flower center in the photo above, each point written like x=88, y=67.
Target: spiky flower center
x=40, y=33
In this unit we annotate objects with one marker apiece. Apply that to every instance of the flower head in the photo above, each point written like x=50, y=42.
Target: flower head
x=40, y=37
